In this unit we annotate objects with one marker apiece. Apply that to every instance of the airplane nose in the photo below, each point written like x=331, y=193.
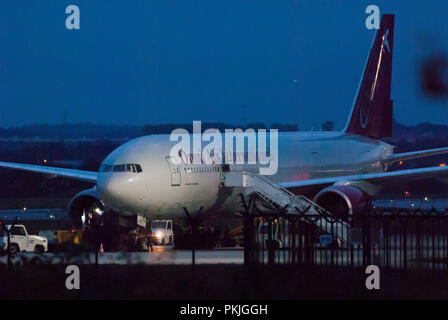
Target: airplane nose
x=114, y=189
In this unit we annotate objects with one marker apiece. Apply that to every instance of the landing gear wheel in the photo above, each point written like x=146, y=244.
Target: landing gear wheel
x=142, y=245
x=170, y=242
x=163, y=242
x=14, y=248
x=145, y=245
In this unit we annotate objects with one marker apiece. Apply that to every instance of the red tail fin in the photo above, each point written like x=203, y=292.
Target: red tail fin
x=371, y=115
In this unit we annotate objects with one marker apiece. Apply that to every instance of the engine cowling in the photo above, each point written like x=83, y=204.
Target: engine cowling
x=343, y=200
x=81, y=204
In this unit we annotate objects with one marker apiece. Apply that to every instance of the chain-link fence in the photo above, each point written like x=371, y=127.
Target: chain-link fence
x=388, y=237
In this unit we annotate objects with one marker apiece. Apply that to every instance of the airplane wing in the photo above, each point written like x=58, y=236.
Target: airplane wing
x=415, y=154
x=62, y=172
x=381, y=180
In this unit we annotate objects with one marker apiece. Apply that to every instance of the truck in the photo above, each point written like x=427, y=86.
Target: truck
x=21, y=240
x=162, y=232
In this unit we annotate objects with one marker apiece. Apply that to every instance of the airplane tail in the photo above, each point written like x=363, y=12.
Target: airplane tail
x=371, y=114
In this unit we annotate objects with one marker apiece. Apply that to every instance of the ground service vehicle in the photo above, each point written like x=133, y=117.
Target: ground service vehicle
x=162, y=232
x=22, y=241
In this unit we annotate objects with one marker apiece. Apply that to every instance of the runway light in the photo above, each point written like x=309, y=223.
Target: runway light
x=401, y=162
x=45, y=160
x=442, y=165
x=24, y=208
x=426, y=199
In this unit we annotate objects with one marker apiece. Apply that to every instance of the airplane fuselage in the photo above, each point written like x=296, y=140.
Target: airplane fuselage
x=162, y=189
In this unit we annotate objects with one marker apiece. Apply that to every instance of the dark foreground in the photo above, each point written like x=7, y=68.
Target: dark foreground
x=38, y=281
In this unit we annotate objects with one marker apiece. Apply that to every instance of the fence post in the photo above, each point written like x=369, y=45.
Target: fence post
x=248, y=229
x=194, y=222
x=405, y=247
x=366, y=239
x=8, y=235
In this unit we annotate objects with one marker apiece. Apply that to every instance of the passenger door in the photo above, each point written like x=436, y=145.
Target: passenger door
x=175, y=172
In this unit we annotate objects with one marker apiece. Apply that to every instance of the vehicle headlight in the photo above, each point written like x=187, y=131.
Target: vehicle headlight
x=159, y=234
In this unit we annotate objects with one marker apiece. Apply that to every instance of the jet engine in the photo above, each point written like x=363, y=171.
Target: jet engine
x=84, y=208
x=343, y=200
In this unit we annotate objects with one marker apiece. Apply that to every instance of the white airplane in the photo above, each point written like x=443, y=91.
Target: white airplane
x=339, y=170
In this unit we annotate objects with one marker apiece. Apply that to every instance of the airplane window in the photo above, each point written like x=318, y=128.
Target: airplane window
x=130, y=167
x=139, y=168
x=106, y=168
x=119, y=168
x=17, y=231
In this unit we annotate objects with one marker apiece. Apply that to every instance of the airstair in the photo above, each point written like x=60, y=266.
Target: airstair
x=278, y=198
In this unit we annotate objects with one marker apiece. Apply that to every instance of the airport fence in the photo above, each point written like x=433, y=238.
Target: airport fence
x=389, y=238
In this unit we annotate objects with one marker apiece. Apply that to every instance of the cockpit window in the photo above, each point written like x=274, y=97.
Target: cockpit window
x=119, y=168
x=130, y=167
x=106, y=168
